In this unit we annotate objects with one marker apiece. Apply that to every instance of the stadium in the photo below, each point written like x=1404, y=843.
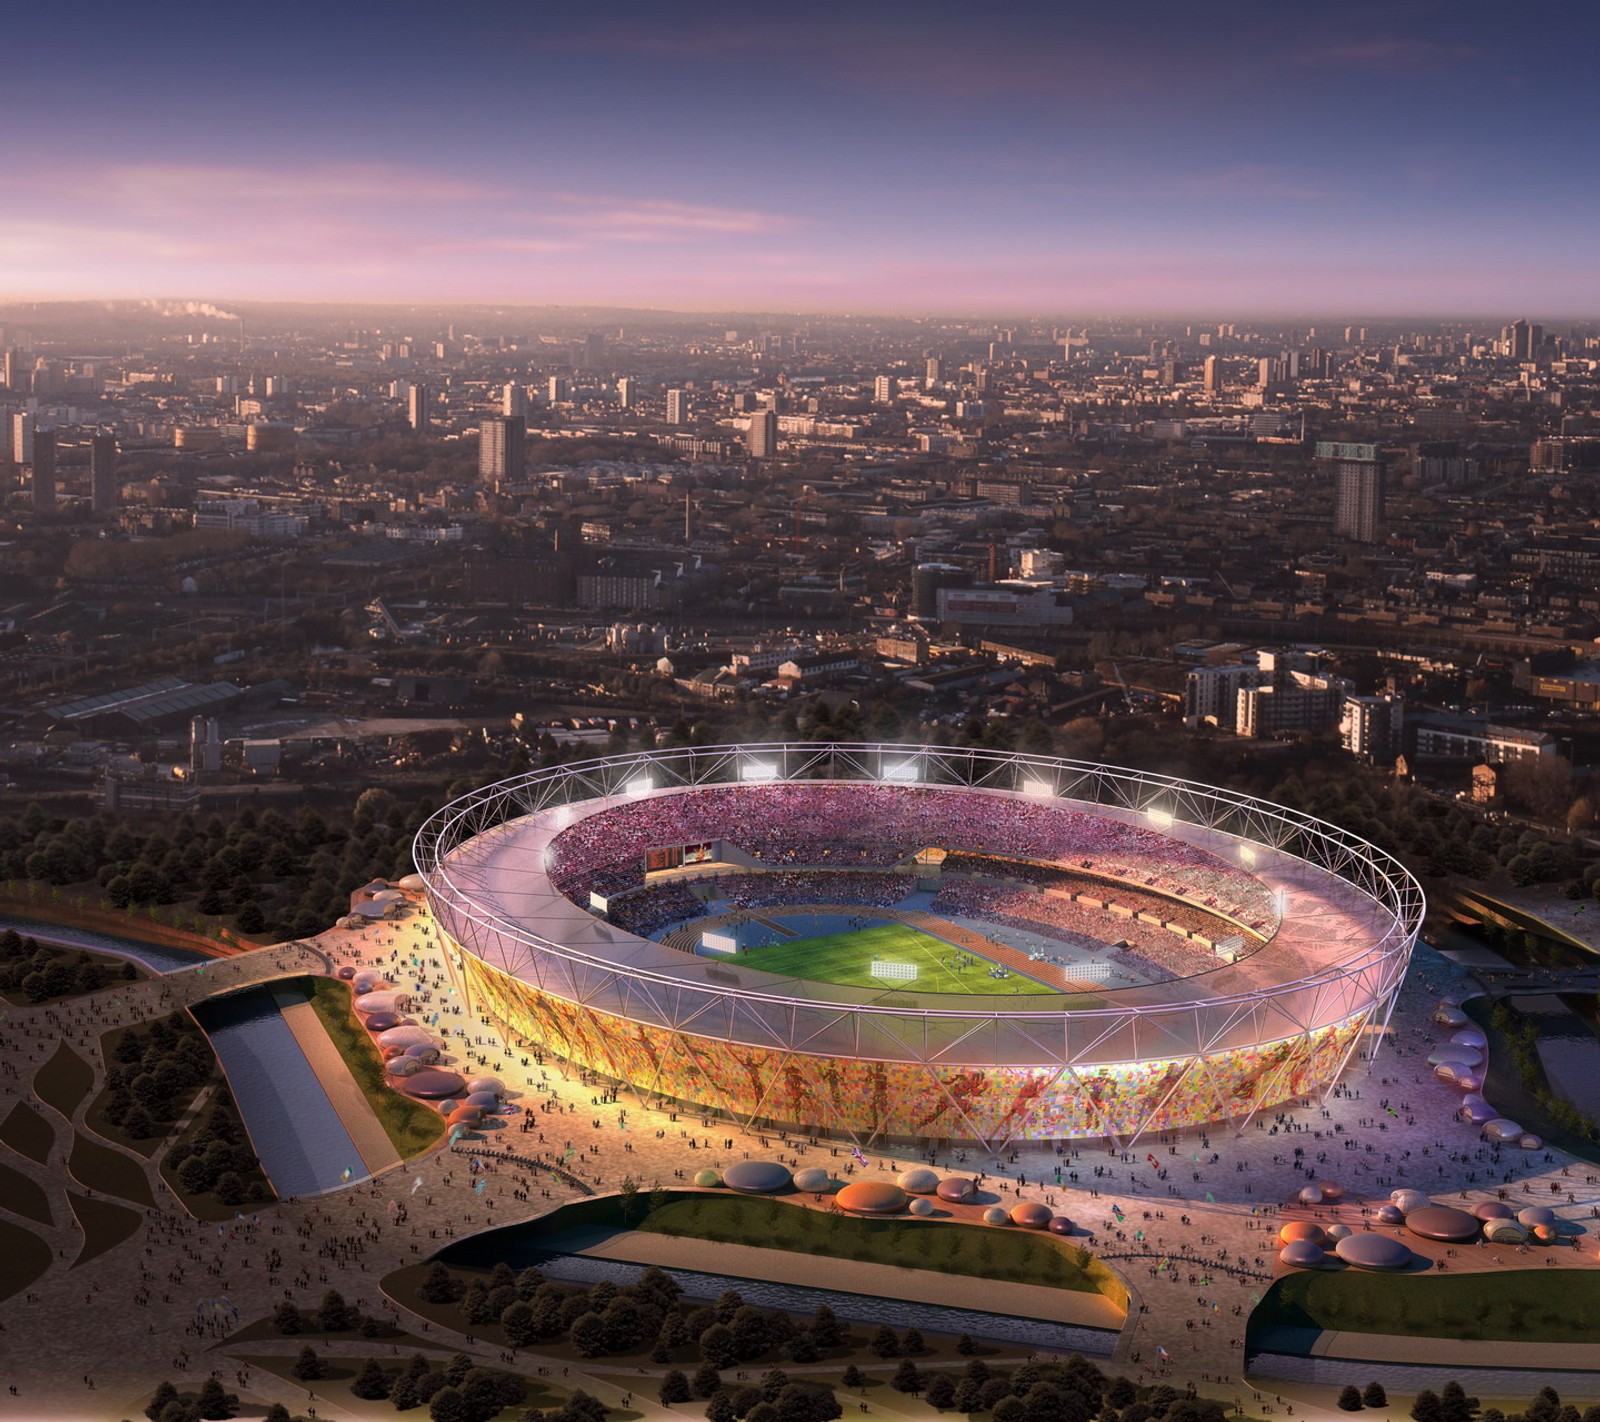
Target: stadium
x=895, y=942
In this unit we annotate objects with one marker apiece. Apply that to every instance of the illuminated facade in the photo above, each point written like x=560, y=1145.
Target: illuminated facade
x=506, y=866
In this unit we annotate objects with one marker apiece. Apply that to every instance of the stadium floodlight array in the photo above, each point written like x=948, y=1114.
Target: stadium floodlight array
x=884, y=1059
x=714, y=942
x=759, y=770
x=895, y=972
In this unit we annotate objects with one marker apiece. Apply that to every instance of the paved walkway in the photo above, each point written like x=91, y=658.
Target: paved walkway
x=1209, y=1202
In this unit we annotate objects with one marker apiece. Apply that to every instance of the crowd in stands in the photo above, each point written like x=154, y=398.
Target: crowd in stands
x=874, y=826
x=1078, y=924
x=788, y=887
x=651, y=910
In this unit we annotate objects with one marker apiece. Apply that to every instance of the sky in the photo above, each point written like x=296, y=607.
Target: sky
x=1213, y=157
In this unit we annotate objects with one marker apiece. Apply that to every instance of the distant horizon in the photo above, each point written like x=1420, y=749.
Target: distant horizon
x=896, y=158
x=228, y=310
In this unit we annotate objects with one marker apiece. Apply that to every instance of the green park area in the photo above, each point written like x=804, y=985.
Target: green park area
x=1016, y=1256
x=847, y=958
x=410, y=1125
x=1522, y=1305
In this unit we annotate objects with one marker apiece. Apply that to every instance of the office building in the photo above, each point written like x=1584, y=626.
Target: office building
x=556, y=390
x=677, y=407
x=418, y=409
x=502, y=450
x=22, y=437
x=627, y=392
x=1371, y=727
x=44, y=469
x=1213, y=375
x=1358, y=489
x=761, y=441
x=103, y=490
x=933, y=373
x=884, y=389
x=514, y=400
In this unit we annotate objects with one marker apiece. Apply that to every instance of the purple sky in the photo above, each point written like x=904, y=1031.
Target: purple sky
x=1414, y=156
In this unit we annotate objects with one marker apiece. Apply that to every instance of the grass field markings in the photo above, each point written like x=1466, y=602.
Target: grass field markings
x=846, y=959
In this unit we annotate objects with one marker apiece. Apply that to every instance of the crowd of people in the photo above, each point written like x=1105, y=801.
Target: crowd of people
x=789, y=887
x=1081, y=925
x=868, y=826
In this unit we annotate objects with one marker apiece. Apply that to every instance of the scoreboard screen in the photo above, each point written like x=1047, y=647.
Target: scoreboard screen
x=677, y=855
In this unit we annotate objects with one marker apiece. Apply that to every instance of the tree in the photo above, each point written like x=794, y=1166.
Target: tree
x=438, y=1286
x=1349, y=1398
x=1455, y=1405
x=720, y=1408
x=1427, y=1407
x=307, y=1365
x=941, y=1392
x=965, y=1346
x=825, y=1327
x=803, y=1348
x=589, y=1335
x=707, y=1381
x=372, y=1382
x=853, y=1376
x=214, y=1402
x=911, y=1343
x=719, y=1347
x=517, y=1321
x=1121, y=1393
x=450, y=1405
x=164, y=1393
x=333, y=1313
x=1373, y=1395
x=674, y=1388
x=907, y=1378
x=885, y=1342
x=277, y=1413
x=286, y=1318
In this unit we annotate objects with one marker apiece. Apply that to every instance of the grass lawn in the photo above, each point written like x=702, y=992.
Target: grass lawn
x=1520, y=1305
x=104, y=1225
x=412, y=1126
x=24, y=1195
x=846, y=958
x=108, y=1172
x=23, y=1258
x=1503, y=1084
x=64, y=1080
x=1017, y=1256
x=28, y=1133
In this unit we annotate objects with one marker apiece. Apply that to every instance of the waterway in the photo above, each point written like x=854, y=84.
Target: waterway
x=294, y=1129
x=159, y=959
x=518, y=1246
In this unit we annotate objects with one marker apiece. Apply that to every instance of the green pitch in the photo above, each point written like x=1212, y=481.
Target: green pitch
x=846, y=958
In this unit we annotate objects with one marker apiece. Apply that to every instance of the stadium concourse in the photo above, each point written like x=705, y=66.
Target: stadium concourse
x=1214, y=1200
x=1230, y=954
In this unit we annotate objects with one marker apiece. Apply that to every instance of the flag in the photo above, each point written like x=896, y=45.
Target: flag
x=1153, y=1163
x=1392, y=1112
x=859, y=1156
x=479, y=1187
x=1254, y=1296
x=1117, y=1211
x=1138, y=1234
x=1161, y=1353
x=1210, y=1198
x=346, y=1173
x=416, y=1185
x=1165, y=1263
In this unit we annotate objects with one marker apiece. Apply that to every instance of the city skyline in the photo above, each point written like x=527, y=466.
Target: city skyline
x=1378, y=160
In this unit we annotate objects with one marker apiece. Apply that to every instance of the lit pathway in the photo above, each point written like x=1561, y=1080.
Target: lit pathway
x=90, y=1321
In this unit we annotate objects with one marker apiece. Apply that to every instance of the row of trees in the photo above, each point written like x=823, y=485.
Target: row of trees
x=218, y=1158
x=1452, y=1404
x=154, y=1074
x=457, y=1391
x=332, y=1315
x=42, y=973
